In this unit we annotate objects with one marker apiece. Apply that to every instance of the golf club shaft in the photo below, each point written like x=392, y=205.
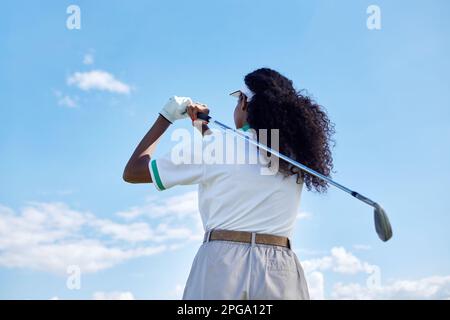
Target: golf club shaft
x=355, y=194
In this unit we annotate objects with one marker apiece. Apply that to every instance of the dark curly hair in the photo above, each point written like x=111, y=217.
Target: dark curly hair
x=304, y=128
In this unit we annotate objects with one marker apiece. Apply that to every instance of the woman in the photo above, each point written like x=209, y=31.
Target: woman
x=248, y=216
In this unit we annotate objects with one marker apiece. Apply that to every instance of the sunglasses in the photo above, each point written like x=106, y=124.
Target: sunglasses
x=239, y=94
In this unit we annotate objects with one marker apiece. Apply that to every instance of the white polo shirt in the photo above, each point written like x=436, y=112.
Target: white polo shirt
x=235, y=196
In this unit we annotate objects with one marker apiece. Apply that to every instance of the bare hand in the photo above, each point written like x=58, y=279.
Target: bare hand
x=194, y=108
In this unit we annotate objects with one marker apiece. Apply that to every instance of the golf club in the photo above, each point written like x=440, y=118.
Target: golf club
x=382, y=224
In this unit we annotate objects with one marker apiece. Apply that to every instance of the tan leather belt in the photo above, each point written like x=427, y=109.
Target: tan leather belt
x=246, y=237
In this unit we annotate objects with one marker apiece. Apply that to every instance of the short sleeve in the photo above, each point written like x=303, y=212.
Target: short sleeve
x=167, y=173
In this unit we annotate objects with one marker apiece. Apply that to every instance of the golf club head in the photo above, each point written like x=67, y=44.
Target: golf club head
x=382, y=224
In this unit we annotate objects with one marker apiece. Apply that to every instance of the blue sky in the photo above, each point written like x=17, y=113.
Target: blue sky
x=64, y=144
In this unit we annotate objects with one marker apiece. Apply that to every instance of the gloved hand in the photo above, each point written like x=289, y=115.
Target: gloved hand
x=175, y=108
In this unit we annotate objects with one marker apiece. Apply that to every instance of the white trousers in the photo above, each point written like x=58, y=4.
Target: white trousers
x=226, y=270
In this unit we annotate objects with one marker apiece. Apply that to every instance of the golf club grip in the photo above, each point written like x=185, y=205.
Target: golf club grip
x=203, y=116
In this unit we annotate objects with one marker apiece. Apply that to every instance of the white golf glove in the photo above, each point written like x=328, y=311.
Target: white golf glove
x=175, y=108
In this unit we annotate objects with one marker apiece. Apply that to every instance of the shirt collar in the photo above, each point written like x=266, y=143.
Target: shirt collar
x=245, y=127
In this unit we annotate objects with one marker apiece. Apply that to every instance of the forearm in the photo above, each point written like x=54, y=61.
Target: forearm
x=136, y=170
x=147, y=144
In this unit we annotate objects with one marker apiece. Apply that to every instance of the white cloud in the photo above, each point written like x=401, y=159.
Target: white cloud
x=179, y=289
x=52, y=236
x=179, y=206
x=61, y=192
x=98, y=80
x=361, y=247
x=176, y=208
x=309, y=252
x=134, y=232
x=89, y=255
x=114, y=295
x=177, y=292
x=340, y=261
x=88, y=59
x=436, y=287
x=302, y=215
x=66, y=100
x=316, y=283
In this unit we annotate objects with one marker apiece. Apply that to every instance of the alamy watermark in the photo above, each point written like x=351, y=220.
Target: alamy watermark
x=219, y=147
x=373, y=281
x=374, y=19
x=73, y=281
x=73, y=21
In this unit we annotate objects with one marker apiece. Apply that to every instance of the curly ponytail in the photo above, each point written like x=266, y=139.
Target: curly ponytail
x=304, y=127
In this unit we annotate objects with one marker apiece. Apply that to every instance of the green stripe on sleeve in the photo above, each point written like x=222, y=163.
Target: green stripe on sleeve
x=156, y=175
